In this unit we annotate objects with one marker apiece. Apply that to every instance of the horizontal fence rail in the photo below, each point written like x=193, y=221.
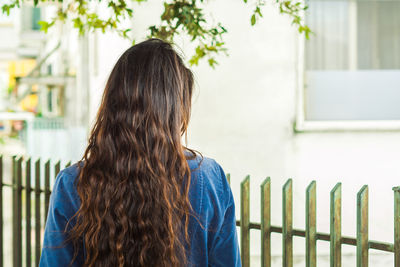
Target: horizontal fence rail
x=29, y=183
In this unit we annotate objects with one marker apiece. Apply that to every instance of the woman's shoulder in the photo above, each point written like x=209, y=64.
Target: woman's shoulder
x=65, y=183
x=206, y=166
x=210, y=174
x=64, y=199
x=66, y=178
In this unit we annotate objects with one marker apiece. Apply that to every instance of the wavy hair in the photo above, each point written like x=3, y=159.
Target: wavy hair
x=134, y=180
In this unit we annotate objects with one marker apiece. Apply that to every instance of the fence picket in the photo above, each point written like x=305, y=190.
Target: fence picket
x=245, y=221
x=287, y=224
x=28, y=216
x=14, y=207
x=37, y=212
x=1, y=211
x=57, y=169
x=362, y=227
x=396, y=226
x=336, y=226
x=266, y=223
x=17, y=212
x=311, y=225
x=46, y=189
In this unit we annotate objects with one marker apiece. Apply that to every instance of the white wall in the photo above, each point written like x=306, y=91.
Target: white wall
x=8, y=27
x=243, y=116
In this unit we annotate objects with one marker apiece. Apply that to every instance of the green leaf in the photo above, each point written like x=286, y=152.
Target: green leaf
x=6, y=9
x=253, y=20
x=179, y=18
x=258, y=11
x=129, y=11
x=44, y=25
x=212, y=62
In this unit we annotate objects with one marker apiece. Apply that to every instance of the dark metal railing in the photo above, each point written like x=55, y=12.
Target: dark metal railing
x=23, y=173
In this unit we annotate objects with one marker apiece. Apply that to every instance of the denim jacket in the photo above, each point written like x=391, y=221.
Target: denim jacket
x=213, y=243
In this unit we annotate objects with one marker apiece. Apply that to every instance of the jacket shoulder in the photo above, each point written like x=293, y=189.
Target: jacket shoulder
x=64, y=194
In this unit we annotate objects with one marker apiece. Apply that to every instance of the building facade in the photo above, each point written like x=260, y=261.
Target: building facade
x=323, y=109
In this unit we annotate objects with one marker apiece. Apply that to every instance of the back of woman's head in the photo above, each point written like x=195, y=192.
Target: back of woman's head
x=134, y=180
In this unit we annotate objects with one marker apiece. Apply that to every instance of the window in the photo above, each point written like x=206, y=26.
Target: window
x=30, y=18
x=352, y=62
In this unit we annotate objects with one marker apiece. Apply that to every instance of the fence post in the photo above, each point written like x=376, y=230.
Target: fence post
x=57, y=169
x=17, y=212
x=28, y=213
x=245, y=221
x=266, y=223
x=311, y=225
x=14, y=207
x=46, y=189
x=287, y=221
x=37, y=212
x=336, y=226
x=396, y=226
x=1, y=211
x=362, y=227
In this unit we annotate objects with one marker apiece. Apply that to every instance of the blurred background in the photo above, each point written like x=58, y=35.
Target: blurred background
x=280, y=105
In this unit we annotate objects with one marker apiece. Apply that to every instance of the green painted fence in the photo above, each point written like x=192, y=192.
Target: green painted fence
x=310, y=234
x=31, y=182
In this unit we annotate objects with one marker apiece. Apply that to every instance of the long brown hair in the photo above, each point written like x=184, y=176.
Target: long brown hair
x=134, y=180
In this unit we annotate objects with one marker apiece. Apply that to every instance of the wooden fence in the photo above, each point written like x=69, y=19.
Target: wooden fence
x=30, y=202
x=361, y=241
x=31, y=195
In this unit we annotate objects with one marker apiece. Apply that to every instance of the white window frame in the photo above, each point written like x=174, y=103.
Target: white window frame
x=303, y=125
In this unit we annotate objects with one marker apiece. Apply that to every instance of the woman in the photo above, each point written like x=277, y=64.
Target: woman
x=139, y=197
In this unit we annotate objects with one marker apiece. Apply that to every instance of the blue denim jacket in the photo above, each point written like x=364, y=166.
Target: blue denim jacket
x=213, y=243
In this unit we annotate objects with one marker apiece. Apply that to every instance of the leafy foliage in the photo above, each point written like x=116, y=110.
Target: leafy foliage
x=180, y=17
